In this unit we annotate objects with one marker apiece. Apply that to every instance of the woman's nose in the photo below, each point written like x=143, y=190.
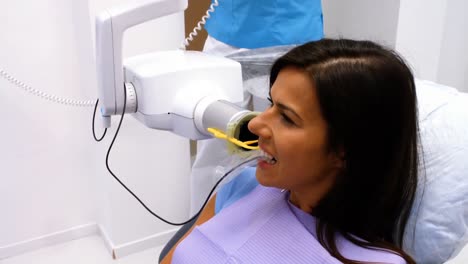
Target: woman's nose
x=259, y=126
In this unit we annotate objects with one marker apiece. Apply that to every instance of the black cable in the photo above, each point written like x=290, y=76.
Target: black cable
x=138, y=199
x=94, y=117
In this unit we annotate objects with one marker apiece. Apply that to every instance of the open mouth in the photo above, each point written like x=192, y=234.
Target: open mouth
x=267, y=157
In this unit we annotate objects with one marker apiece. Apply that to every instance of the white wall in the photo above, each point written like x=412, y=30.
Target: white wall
x=362, y=19
x=453, y=64
x=54, y=185
x=432, y=35
x=420, y=29
x=47, y=158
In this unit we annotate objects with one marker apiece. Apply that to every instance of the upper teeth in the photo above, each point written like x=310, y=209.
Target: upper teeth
x=267, y=157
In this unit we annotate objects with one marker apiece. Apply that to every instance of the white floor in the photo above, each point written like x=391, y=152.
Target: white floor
x=91, y=250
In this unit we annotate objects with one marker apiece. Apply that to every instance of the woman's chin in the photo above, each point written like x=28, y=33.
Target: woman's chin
x=264, y=178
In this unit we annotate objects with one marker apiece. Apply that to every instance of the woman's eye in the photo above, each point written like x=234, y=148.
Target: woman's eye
x=286, y=119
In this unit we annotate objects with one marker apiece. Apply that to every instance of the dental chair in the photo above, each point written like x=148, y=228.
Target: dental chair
x=437, y=229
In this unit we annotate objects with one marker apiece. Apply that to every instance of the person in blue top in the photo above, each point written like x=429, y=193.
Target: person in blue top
x=256, y=24
x=237, y=25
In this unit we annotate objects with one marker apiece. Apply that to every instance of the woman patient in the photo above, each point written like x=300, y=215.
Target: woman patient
x=339, y=172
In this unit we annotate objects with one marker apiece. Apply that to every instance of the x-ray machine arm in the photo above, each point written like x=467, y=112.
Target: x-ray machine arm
x=185, y=92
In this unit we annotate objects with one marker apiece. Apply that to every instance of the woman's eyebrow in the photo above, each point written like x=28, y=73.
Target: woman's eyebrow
x=286, y=108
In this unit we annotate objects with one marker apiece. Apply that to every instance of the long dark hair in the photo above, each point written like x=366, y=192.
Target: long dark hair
x=367, y=97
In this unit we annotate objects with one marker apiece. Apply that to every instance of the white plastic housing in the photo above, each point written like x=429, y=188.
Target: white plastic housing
x=110, y=26
x=170, y=84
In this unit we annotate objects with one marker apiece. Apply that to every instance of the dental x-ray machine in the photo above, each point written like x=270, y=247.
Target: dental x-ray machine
x=186, y=92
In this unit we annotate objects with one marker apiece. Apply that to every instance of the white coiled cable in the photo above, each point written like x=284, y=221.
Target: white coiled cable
x=64, y=101
x=199, y=26
x=44, y=95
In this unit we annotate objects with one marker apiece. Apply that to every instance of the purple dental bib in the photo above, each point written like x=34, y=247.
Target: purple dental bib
x=259, y=228
x=264, y=227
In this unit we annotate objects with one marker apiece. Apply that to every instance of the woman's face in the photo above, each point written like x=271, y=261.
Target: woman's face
x=294, y=133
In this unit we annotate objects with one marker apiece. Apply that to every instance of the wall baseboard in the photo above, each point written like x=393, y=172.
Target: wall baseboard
x=77, y=232
x=122, y=250
x=49, y=240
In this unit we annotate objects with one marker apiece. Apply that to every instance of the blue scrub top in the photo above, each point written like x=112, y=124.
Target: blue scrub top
x=265, y=23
